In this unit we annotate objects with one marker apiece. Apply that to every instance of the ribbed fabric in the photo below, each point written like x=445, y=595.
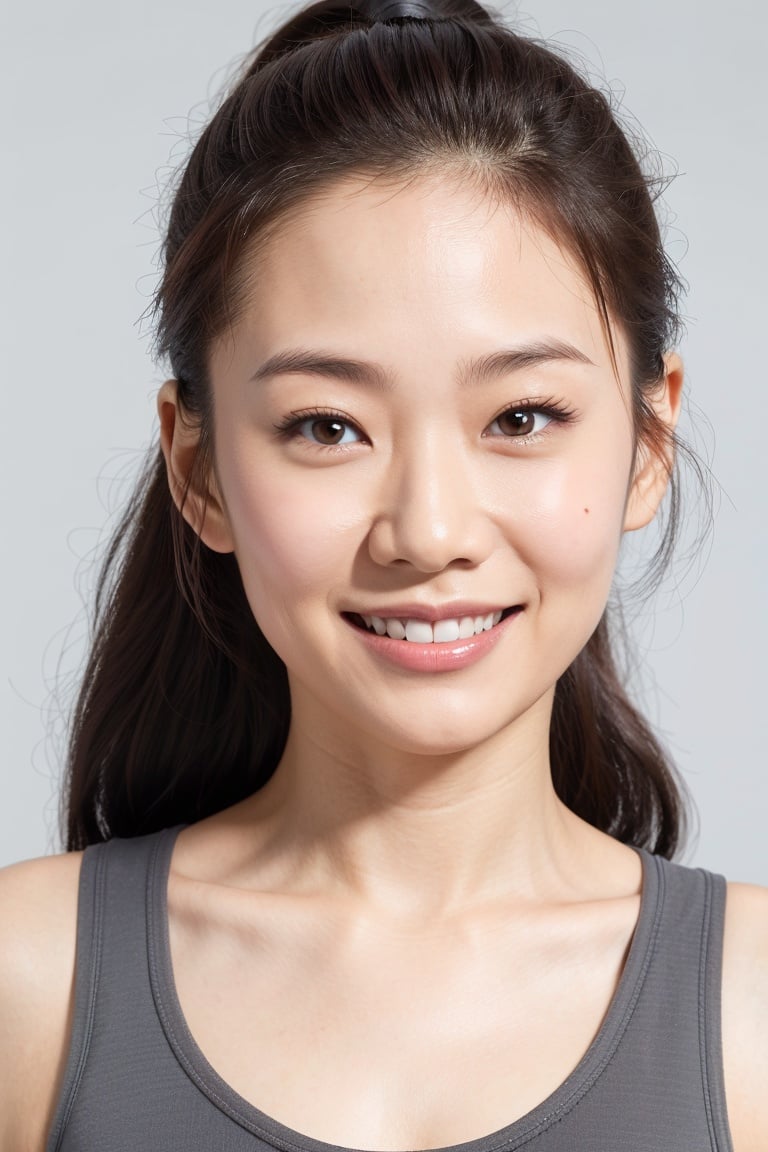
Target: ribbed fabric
x=651, y=1081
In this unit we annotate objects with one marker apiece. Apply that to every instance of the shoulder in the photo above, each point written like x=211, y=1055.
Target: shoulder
x=745, y=1014
x=38, y=913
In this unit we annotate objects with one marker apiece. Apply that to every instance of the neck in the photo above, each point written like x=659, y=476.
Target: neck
x=416, y=836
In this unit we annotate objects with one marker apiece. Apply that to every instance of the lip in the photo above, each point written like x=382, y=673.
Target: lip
x=431, y=613
x=446, y=657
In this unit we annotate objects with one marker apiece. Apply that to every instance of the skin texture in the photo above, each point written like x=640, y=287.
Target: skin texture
x=425, y=505
x=411, y=824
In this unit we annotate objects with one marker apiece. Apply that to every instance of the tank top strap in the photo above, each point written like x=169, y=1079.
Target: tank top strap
x=90, y=907
x=668, y=1069
x=681, y=1004
x=113, y=1006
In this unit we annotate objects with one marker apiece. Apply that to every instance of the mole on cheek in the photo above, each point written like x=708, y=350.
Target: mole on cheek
x=587, y=510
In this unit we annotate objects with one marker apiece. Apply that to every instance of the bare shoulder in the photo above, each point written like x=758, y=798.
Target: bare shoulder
x=745, y=1014
x=38, y=913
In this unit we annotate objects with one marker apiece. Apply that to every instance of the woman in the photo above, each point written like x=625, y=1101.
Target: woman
x=367, y=845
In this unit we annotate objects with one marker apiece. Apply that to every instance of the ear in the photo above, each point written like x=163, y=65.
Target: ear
x=199, y=501
x=653, y=466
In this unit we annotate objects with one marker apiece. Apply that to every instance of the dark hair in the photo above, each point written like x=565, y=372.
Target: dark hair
x=184, y=707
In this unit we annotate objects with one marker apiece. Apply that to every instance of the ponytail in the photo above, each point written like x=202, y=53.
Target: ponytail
x=174, y=720
x=625, y=784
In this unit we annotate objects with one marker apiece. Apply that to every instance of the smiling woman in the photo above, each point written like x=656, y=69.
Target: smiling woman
x=355, y=791
x=432, y=488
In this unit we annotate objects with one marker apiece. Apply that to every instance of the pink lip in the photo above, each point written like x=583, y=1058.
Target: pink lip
x=446, y=657
x=428, y=612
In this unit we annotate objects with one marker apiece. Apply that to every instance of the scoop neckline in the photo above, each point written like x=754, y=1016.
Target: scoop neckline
x=542, y=1116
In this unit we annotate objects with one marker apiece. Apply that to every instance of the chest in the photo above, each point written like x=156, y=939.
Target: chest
x=382, y=1039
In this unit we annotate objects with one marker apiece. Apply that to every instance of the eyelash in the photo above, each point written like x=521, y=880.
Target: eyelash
x=287, y=429
x=557, y=411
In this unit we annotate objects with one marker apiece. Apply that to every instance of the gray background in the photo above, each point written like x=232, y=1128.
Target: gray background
x=100, y=99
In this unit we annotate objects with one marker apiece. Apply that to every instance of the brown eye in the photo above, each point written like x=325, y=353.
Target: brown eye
x=518, y=422
x=327, y=431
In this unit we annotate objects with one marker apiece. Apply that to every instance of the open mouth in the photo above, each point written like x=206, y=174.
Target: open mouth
x=424, y=632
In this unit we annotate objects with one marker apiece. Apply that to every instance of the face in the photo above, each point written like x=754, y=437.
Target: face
x=475, y=459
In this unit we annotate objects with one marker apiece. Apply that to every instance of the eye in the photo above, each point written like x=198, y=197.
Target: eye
x=520, y=422
x=328, y=431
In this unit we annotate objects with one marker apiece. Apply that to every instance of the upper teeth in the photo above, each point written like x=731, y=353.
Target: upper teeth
x=422, y=632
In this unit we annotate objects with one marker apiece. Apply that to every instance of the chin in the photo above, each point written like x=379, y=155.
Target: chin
x=450, y=732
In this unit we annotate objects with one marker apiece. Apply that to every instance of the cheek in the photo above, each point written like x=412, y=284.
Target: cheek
x=291, y=536
x=567, y=523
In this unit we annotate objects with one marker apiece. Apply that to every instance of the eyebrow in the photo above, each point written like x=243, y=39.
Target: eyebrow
x=484, y=368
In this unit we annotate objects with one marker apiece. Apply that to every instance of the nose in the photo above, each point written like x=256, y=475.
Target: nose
x=432, y=513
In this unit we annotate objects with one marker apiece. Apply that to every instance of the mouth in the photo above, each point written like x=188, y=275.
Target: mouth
x=446, y=631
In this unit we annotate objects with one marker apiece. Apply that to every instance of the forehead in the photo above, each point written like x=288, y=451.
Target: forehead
x=435, y=263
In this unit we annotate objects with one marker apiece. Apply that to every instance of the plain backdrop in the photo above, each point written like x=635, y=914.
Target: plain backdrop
x=99, y=102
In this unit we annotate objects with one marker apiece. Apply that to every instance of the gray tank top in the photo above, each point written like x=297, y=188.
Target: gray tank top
x=651, y=1081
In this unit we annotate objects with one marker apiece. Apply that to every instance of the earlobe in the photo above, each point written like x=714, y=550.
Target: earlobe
x=199, y=502
x=654, y=463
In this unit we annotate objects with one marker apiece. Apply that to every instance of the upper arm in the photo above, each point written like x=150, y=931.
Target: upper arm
x=745, y=1015
x=38, y=914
